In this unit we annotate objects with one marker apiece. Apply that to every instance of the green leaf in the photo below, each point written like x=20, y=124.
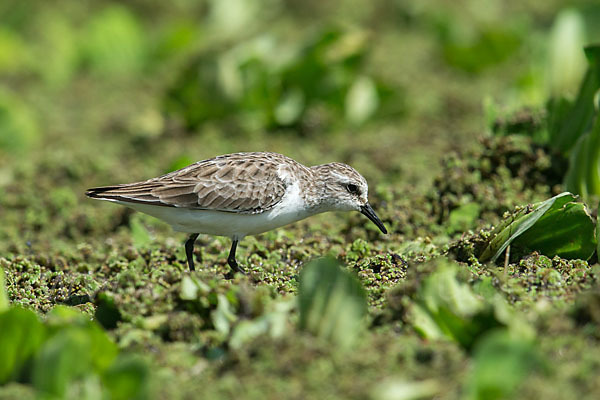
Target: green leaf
x=362, y=100
x=272, y=323
x=139, y=233
x=18, y=126
x=332, y=302
x=78, y=349
x=583, y=175
x=566, y=61
x=4, y=303
x=192, y=287
x=14, y=51
x=553, y=228
x=290, y=107
x=568, y=232
x=63, y=359
x=127, y=378
x=57, y=46
x=501, y=363
x=101, y=349
x=223, y=317
x=21, y=335
x=114, y=44
x=483, y=48
x=401, y=389
x=463, y=217
x=445, y=308
x=598, y=233
x=566, y=127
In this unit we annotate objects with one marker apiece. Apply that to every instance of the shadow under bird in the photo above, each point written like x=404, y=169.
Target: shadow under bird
x=242, y=194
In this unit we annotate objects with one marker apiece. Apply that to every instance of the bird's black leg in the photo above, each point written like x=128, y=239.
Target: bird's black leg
x=189, y=250
x=231, y=259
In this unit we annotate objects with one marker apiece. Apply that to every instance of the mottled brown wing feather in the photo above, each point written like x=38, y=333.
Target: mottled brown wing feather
x=241, y=182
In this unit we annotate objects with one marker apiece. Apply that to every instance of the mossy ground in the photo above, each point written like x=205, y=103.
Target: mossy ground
x=126, y=269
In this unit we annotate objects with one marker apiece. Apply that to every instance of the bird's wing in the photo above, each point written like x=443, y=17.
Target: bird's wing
x=242, y=182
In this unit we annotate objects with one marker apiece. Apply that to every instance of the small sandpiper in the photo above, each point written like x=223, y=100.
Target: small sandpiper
x=242, y=194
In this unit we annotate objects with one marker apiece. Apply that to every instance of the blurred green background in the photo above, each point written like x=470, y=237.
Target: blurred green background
x=101, y=92
x=387, y=85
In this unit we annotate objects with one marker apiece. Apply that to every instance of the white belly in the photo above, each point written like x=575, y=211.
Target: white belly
x=217, y=222
x=231, y=224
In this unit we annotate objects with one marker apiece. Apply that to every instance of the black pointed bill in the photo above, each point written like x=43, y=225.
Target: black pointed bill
x=368, y=211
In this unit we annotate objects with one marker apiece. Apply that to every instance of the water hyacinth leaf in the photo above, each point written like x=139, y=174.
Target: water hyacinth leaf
x=598, y=233
x=13, y=51
x=290, y=107
x=63, y=359
x=4, y=303
x=555, y=230
x=445, y=308
x=583, y=175
x=501, y=362
x=400, y=389
x=102, y=350
x=140, y=235
x=18, y=125
x=77, y=349
x=57, y=46
x=567, y=232
x=362, y=100
x=192, y=288
x=332, y=302
x=128, y=378
x=224, y=316
x=21, y=335
x=463, y=217
x=114, y=43
x=567, y=126
x=273, y=323
x=566, y=60
x=476, y=49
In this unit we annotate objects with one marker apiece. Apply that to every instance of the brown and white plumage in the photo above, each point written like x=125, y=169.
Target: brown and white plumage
x=241, y=182
x=243, y=194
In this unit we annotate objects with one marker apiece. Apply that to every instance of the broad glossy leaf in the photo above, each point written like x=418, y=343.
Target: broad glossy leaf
x=552, y=227
x=567, y=129
x=4, y=303
x=568, y=232
x=501, y=362
x=128, y=378
x=362, y=100
x=102, y=350
x=332, y=302
x=566, y=60
x=77, y=350
x=21, y=335
x=446, y=308
x=583, y=175
x=63, y=359
x=463, y=217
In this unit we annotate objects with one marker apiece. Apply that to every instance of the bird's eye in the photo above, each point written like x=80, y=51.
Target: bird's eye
x=352, y=188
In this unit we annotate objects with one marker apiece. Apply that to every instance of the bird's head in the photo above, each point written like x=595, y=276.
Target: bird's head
x=342, y=188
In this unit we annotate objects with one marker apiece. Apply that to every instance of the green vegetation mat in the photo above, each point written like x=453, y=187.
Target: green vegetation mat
x=465, y=119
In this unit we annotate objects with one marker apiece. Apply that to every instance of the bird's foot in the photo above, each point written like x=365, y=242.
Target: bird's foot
x=235, y=267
